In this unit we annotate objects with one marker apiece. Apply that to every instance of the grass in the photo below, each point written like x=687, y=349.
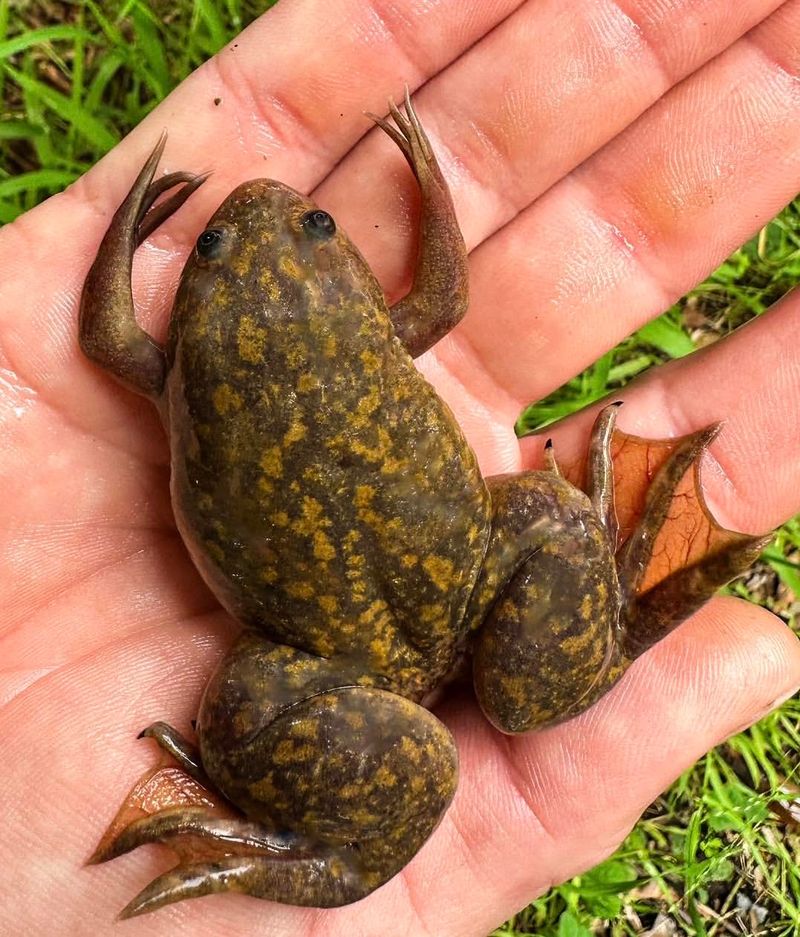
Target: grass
x=714, y=855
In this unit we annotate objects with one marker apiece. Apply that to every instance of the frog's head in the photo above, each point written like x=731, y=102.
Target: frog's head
x=268, y=248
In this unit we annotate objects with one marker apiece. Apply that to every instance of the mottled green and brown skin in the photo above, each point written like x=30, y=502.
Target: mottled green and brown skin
x=331, y=502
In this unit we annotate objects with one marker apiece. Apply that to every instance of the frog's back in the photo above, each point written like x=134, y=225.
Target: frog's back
x=326, y=492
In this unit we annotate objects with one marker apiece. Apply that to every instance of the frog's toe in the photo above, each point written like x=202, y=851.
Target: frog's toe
x=408, y=133
x=190, y=881
x=195, y=824
x=325, y=882
x=151, y=218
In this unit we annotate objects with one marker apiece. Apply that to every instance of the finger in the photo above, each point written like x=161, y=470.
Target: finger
x=328, y=80
x=752, y=474
x=556, y=96
x=641, y=222
x=564, y=798
x=350, y=56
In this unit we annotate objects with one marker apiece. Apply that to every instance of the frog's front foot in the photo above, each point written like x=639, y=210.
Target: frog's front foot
x=108, y=331
x=438, y=297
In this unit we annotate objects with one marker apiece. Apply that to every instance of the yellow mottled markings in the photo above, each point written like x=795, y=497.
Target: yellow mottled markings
x=440, y=571
x=312, y=517
x=515, y=689
x=265, y=486
x=380, y=649
x=323, y=548
x=368, y=616
x=321, y=643
x=304, y=729
x=287, y=265
x=355, y=720
x=532, y=592
x=409, y=559
x=384, y=777
x=296, y=356
x=430, y=613
x=297, y=431
x=328, y=603
x=269, y=575
x=268, y=281
x=307, y=382
x=329, y=346
x=299, y=590
x=241, y=265
x=586, y=607
x=364, y=495
x=215, y=551
x=577, y=645
x=370, y=361
x=264, y=790
x=286, y=752
x=280, y=519
x=602, y=592
x=410, y=750
x=226, y=399
x=251, y=340
x=272, y=462
x=366, y=819
x=393, y=466
x=509, y=609
x=364, y=409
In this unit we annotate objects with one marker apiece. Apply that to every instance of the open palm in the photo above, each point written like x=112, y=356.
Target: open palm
x=107, y=627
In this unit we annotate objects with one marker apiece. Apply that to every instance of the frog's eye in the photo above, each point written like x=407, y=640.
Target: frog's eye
x=209, y=243
x=319, y=224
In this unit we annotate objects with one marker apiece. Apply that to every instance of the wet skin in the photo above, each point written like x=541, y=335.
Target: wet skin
x=332, y=504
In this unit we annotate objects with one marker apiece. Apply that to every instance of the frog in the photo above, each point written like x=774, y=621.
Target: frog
x=334, y=507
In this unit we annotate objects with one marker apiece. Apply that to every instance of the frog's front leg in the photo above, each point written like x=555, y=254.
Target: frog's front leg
x=109, y=333
x=340, y=785
x=439, y=294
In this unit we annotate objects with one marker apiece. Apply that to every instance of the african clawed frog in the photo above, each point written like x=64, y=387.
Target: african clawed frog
x=332, y=504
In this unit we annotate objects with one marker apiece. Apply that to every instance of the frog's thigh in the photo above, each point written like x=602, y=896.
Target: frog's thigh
x=359, y=775
x=545, y=649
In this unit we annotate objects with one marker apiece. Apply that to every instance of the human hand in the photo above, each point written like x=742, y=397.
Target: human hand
x=106, y=624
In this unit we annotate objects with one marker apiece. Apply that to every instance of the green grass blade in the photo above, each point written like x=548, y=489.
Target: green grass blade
x=37, y=180
x=35, y=37
x=667, y=335
x=93, y=129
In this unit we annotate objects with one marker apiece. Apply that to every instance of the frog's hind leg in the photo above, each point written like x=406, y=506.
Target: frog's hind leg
x=438, y=297
x=677, y=555
x=545, y=608
x=339, y=785
x=108, y=331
